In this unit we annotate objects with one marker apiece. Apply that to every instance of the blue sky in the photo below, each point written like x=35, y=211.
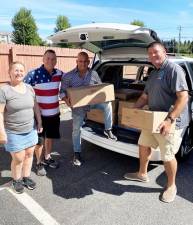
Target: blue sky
x=164, y=16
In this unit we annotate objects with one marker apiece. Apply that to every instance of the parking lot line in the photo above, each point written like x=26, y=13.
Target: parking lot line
x=5, y=186
x=2, y=188
x=33, y=207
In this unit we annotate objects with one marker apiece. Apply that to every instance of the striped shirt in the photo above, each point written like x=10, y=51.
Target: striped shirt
x=46, y=87
x=73, y=79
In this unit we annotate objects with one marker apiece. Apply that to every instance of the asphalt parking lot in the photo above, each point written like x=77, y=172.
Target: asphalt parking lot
x=96, y=193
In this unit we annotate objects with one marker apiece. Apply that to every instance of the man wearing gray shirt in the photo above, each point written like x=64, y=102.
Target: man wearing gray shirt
x=166, y=90
x=84, y=76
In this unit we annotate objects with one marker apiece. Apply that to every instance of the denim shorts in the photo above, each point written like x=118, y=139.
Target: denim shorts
x=19, y=142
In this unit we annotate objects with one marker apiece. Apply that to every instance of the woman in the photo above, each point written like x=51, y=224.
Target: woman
x=18, y=132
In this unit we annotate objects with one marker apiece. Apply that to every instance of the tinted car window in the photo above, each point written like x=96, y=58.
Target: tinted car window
x=130, y=72
x=191, y=65
x=187, y=76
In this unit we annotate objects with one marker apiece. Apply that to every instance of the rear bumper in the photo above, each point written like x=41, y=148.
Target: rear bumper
x=116, y=146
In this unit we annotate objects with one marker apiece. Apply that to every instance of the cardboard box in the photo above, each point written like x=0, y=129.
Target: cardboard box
x=128, y=104
x=89, y=95
x=97, y=115
x=143, y=119
x=123, y=104
x=126, y=94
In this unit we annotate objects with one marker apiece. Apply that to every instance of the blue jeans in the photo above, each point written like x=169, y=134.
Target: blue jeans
x=78, y=120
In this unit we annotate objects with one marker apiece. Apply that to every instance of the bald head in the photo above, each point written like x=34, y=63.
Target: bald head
x=83, y=54
x=82, y=62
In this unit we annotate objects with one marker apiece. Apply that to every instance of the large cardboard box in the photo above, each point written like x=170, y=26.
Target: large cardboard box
x=89, y=95
x=126, y=94
x=143, y=119
x=128, y=104
x=97, y=115
x=123, y=104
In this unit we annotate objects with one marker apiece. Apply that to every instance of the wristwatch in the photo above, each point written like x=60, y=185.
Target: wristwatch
x=170, y=118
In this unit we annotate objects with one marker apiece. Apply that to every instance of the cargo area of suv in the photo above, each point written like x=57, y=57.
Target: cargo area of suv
x=129, y=81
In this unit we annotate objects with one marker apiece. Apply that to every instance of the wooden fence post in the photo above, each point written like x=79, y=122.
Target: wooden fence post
x=13, y=55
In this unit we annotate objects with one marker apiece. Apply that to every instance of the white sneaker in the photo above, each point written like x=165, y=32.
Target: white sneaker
x=110, y=135
x=77, y=160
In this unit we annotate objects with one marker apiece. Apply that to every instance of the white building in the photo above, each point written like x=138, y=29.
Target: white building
x=5, y=37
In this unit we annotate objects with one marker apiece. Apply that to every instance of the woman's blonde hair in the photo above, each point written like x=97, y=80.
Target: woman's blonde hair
x=15, y=63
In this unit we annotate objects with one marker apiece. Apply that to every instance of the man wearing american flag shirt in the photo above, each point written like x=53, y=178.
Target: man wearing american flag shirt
x=46, y=81
x=82, y=75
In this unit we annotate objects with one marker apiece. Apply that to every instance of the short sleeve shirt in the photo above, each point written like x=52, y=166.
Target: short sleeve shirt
x=46, y=87
x=73, y=79
x=161, y=89
x=19, y=109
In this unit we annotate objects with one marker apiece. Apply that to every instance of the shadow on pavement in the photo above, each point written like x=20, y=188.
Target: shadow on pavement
x=5, y=165
x=102, y=171
x=184, y=179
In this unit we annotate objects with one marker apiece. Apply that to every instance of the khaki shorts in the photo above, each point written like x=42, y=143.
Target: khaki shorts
x=169, y=145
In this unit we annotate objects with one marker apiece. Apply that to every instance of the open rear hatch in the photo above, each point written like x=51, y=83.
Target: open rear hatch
x=108, y=39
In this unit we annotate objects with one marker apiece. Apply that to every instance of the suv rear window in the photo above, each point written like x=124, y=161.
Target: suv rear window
x=130, y=72
x=191, y=65
x=125, y=76
x=187, y=75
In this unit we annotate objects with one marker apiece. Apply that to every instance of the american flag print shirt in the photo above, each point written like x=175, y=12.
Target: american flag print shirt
x=46, y=87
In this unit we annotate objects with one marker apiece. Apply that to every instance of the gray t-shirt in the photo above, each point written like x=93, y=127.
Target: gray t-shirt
x=161, y=89
x=19, y=112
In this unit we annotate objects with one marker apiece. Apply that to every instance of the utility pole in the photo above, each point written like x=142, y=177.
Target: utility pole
x=173, y=43
x=179, y=38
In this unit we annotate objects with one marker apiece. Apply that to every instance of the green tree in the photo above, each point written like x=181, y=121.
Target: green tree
x=138, y=23
x=25, y=29
x=170, y=45
x=191, y=47
x=174, y=44
x=185, y=47
x=62, y=23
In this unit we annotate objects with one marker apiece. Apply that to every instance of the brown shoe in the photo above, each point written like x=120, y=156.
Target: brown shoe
x=136, y=177
x=169, y=195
